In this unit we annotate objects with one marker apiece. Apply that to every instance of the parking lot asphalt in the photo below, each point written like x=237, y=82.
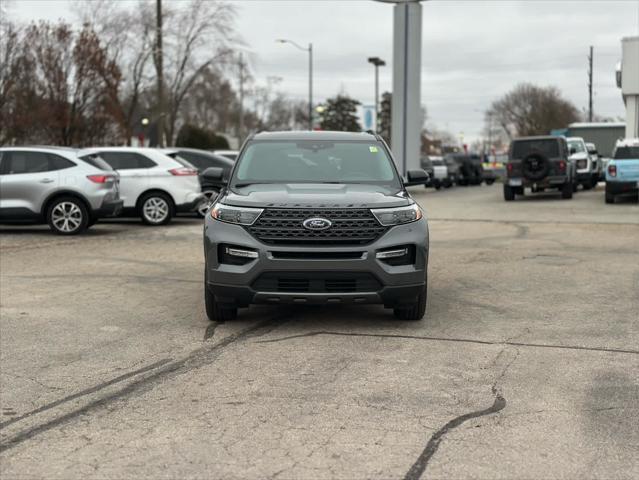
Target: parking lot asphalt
x=526, y=365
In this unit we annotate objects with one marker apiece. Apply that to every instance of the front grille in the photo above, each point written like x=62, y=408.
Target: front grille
x=316, y=282
x=349, y=226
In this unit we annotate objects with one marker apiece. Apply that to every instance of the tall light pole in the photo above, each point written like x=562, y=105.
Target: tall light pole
x=378, y=62
x=159, y=70
x=308, y=49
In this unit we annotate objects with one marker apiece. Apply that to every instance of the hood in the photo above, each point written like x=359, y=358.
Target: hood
x=316, y=195
x=579, y=156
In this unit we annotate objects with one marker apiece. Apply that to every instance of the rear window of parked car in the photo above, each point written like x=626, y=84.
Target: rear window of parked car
x=523, y=148
x=20, y=162
x=627, y=153
x=97, y=162
x=126, y=160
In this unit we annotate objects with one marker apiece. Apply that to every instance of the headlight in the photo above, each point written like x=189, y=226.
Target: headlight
x=238, y=215
x=582, y=163
x=397, y=216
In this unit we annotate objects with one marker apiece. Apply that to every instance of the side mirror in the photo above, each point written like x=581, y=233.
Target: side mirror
x=213, y=174
x=572, y=150
x=417, y=177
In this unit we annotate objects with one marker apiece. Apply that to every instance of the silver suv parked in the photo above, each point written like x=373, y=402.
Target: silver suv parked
x=153, y=186
x=54, y=186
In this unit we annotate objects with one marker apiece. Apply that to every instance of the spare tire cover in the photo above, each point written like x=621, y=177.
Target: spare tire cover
x=535, y=166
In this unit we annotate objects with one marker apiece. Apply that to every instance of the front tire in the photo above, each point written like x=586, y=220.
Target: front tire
x=156, y=208
x=509, y=193
x=566, y=191
x=67, y=216
x=490, y=181
x=413, y=312
x=215, y=311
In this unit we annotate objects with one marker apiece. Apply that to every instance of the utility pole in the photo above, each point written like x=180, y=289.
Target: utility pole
x=590, y=85
x=240, y=126
x=160, y=73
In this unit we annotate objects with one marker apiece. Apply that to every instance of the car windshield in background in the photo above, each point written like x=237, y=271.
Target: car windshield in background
x=576, y=147
x=523, y=148
x=182, y=161
x=96, y=161
x=315, y=162
x=627, y=153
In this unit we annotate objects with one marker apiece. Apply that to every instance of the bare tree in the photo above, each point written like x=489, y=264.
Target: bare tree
x=55, y=90
x=126, y=34
x=198, y=35
x=531, y=110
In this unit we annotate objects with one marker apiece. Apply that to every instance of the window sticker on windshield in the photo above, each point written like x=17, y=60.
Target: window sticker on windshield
x=373, y=149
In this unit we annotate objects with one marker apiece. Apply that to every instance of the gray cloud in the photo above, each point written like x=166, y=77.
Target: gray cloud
x=472, y=51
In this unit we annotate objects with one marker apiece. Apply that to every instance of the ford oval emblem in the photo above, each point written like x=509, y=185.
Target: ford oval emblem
x=317, y=223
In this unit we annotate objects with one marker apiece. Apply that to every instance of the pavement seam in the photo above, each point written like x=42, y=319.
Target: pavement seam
x=460, y=340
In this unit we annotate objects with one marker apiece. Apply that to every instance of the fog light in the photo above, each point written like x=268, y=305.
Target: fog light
x=392, y=253
x=236, y=252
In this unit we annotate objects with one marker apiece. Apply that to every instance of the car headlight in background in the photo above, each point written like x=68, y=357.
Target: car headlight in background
x=582, y=163
x=237, y=215
x=397, y=216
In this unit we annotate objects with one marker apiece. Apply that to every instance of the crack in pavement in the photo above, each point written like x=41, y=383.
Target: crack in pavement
x=459, y=340
x=418, y=468
x=197, y=358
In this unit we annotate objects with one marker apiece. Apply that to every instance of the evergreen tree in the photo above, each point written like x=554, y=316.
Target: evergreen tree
x=340, y=115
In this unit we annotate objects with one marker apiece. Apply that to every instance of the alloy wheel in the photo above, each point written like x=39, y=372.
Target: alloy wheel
x=66, y=217
x=155, y=209
x=205, y=204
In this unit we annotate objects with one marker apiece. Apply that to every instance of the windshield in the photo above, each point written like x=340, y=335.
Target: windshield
x=313, y=161
x=576, y=146
x=627, y=153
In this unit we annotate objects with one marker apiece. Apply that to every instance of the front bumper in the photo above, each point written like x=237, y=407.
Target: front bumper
x=110, y=208
x=236, y=284
x=585, y=176
x=192, y=201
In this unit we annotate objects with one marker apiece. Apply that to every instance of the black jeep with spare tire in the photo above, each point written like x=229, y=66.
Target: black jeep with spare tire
x=539, y=163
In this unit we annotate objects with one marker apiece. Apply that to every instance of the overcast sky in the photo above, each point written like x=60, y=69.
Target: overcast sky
x=472, y=51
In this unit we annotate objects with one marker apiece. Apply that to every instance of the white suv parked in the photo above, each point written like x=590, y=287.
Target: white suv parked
x=587, y=170
x=152, y=185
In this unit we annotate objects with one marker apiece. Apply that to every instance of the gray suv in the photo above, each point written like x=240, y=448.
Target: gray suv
x=315, y=218
x=539, y=163
x=52, y=185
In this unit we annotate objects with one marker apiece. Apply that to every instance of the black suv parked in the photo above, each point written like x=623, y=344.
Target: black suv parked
x=315, y=218
x=539, y=163
x=471, y=170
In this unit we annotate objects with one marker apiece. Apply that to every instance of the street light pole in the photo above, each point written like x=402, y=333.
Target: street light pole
x=377, y=62
x=310, y=86
x=309, y=49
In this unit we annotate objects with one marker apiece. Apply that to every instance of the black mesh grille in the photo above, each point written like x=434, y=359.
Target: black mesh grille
x=316, y=282
x=349, y=226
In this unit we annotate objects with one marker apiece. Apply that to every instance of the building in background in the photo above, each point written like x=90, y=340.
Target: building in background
x=628, y=81
x=603, y=134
